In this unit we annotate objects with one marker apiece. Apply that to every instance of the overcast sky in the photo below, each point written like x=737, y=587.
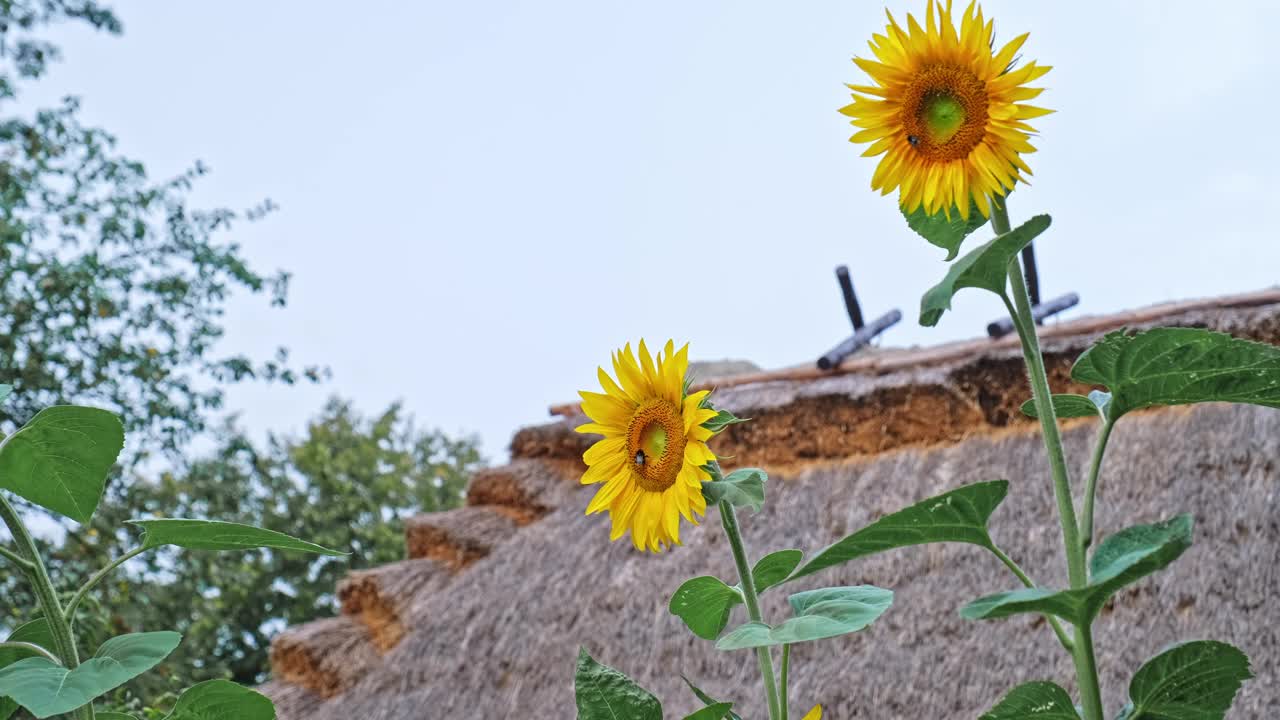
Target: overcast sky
x=480, y=199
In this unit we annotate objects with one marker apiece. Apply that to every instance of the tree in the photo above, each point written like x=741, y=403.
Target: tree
x=348, y=483
x=113, y=285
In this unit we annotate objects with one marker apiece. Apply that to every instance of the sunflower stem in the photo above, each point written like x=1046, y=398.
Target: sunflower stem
x=730, y=520
x=64, y=644
x=1091, y=485
x=782, y=678
x=1020, y=311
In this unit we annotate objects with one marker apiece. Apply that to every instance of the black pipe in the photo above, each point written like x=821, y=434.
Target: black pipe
x=1004, y=326
x=859, y=339
x=850, y=299
x=1033, y=274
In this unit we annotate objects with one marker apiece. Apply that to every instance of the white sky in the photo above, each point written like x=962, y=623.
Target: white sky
x=480, y=199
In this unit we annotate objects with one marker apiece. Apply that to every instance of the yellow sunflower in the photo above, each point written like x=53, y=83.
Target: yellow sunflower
x=814, y=714
x=946, y=111
x=650, y=460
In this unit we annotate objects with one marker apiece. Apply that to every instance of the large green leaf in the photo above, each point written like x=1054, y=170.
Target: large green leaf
x=216, y=535
x=704, y=604
x=774, y=568
x=221, y=700
x=47, y=689
x=985, y=267
x=603, y=693
x=1040, y=700
x=818, y=614
x=35, y=632
x=740, y=488
x=1178, y=366
x=947, y=230
x=1192, y=681
x=719, y=711
x=957, y=516
x=1122, y=559
x=61, y=458
x=707, y=698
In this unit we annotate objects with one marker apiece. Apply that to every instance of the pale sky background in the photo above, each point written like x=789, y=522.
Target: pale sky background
x=480, y=199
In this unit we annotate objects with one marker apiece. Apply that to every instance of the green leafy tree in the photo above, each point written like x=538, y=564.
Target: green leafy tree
x=113, y=285
x=349, y=483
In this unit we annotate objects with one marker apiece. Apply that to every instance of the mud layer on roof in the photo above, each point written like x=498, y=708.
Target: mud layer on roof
x=847, y=415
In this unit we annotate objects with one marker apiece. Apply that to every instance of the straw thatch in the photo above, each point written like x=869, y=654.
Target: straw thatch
x=501, y=636
x=459, y=537
x=326, y=656
x=377, y=597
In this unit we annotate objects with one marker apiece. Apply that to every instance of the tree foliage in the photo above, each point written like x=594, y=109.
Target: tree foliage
x=114, y=285
x=349, y=482
x=115, y=288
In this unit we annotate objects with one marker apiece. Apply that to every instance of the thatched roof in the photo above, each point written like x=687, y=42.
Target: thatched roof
x=495, y=632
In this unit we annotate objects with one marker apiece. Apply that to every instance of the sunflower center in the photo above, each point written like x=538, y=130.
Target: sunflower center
x=655, y=443
x=944, y=112
x=942, y=115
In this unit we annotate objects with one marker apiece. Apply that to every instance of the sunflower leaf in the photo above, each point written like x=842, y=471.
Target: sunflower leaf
x=218, y=535
x=47, y=688
x=60, y=459
x=221, y=700
x=719, y=711
x=741, y=488
x=707, y=698
x=960, y=515
x=35, y=632
x=603, y=693
x=1072, y=406
x=946, y=232
x=774, y=568
x=1122, y=559
x=704, y=603
x=985, y=267
x=1193, y=680
x=722, y=420
x=1042, y=700
x=819, y=614
x=1179, y=366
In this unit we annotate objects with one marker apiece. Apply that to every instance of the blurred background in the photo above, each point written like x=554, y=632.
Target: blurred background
x=449, y=213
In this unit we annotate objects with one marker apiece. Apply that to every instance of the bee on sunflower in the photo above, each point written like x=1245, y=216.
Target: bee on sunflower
x=947, y=111
x=651, y=461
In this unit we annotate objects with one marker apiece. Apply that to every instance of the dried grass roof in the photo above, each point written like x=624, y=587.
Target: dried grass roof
x=497, y=636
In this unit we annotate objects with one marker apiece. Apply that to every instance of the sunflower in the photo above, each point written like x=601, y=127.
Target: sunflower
x=814, y=714
x=946, y=112
x=654, y=448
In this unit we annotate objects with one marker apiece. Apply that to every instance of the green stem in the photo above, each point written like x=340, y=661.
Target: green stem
x=31, y=648
x=64, y=644
x=730, y=520
x=1091, y=487
x=782, y=680
x=1058, y=630
x=15, y=558
x=1020, y=311
x=70, y=610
